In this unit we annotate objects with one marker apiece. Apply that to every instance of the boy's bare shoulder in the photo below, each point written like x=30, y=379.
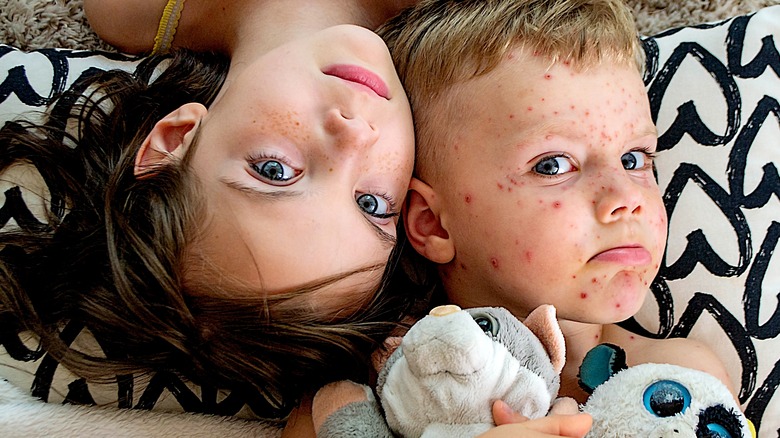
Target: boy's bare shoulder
x=678, y=351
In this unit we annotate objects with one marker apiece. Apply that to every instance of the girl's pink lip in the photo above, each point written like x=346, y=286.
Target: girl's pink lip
x=625, y=255
x=360, y=76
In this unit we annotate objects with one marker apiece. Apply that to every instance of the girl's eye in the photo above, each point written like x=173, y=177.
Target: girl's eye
x=274, y=170
x=555, y=165
x=374, y=205
x=634, y=160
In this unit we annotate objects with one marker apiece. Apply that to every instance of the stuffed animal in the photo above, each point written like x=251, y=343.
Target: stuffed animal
x=449, y=369
x=656, y=400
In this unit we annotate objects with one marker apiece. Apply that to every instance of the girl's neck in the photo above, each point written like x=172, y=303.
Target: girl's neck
x=261, y=25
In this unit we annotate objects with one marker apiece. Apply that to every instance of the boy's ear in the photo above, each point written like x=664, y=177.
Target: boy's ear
x=422, y=222
x=169, y=139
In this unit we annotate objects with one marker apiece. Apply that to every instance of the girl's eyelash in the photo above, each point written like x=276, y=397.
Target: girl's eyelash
x=254, y=158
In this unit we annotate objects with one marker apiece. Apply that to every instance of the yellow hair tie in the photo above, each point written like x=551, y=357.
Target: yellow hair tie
x=167, y=28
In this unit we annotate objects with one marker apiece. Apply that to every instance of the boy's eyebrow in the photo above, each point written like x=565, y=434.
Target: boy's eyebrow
x=386, y=238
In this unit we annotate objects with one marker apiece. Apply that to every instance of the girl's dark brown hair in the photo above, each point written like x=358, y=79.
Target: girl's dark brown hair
x=112, y=256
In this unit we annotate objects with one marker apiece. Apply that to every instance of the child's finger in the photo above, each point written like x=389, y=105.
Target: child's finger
x=503, y=414
x=573, y=426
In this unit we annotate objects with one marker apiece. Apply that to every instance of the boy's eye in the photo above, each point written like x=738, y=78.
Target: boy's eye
x=274, y=170
x=633, y=160
x=373, y=205
x=555, y=165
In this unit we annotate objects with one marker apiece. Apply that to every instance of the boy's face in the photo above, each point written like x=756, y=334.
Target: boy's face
x=547, y=191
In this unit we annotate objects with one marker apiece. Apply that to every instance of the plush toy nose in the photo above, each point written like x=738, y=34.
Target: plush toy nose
x=447, y=309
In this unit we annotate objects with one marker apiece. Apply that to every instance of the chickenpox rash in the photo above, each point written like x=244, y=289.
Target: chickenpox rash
x=467, y=199
x=556, y=204
x=500, y=186
x=548, y=76
x=529, y=256
x=494, y=262
x=584, y=295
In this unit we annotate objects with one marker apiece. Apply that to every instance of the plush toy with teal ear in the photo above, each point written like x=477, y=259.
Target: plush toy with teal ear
x=656, y=400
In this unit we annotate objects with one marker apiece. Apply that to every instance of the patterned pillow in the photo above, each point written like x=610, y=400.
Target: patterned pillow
x=714, y=92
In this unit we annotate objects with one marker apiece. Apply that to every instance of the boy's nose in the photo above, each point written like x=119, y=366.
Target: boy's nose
x=618, y=198
x=351, y=132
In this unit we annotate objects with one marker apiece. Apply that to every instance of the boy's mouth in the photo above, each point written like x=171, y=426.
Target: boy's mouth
x=630, y=255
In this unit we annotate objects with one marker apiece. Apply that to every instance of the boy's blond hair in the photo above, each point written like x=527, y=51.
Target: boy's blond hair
x=440, y=43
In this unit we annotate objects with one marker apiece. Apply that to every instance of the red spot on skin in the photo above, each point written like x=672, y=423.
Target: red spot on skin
x=511, y=116
x=548, y=76
x=494, y=262
x=556, y=204
x=617, y=305
x=584, y=296
x=594, y=280
x=530, y=108
x=573, y=276
x=467, y=198
x=632, y=337
x=500, y=186
x=529, y=256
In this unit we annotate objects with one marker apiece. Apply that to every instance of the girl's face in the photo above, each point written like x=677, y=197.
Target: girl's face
x=304, y=162
x=552, y=197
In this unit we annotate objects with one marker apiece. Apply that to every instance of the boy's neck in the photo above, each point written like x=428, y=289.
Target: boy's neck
x=580, y=338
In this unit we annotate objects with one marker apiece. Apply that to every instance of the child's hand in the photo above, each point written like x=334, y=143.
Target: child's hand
x=512, y=424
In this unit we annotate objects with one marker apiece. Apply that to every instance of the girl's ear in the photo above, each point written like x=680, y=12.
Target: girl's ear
x=422, y=222
x=168, y=140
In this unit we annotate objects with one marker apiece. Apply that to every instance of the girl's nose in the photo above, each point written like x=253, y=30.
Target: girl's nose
x=351, y=132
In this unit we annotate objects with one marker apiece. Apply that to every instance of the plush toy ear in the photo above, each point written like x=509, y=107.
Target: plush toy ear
x=542, y=323
x=380, y=355
x=599, y=364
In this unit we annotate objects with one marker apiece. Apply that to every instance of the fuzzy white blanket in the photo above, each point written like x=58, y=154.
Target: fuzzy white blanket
x=23, y=416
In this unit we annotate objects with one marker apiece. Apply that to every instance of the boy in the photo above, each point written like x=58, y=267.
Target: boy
x=534, y=178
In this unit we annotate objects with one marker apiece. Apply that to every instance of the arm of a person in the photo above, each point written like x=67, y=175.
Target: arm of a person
x=129, y=25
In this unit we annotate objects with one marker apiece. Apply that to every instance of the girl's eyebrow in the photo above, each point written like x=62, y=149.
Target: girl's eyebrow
x=386, y=238
x=263, y=194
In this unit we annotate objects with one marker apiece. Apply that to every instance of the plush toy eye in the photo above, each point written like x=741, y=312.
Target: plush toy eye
x=666, y=398
x=718, y=421
x=487, y=323
x=717, y=431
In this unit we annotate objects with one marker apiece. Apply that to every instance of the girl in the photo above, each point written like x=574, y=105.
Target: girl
x=227, y=221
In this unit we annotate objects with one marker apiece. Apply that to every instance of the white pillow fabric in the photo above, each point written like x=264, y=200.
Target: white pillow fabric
x=714, y=92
